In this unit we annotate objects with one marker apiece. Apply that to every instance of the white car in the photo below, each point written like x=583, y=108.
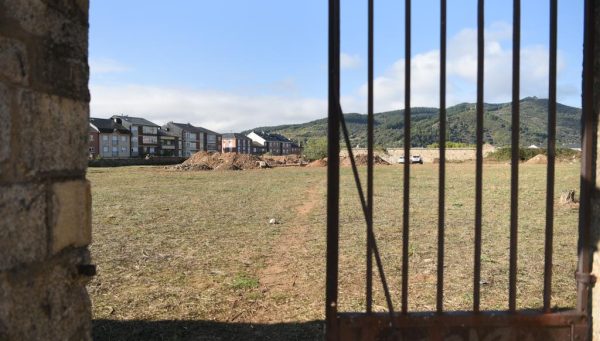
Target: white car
x=401, y=159
x=416, y=159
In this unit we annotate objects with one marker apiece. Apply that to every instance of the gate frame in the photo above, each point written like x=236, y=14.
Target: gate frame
x=510, y=324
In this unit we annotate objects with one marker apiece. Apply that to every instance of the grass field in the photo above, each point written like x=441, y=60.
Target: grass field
x=195, y=251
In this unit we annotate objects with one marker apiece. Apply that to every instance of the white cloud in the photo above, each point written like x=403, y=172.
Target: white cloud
x=215, y=110
x=106, y=65
x=349, y=61
x=462, y=72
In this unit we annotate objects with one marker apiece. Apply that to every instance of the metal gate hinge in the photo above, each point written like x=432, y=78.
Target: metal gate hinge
x=585, y=278
x=87, y=270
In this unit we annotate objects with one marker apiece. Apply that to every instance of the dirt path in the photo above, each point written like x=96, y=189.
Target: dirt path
x=284, y=281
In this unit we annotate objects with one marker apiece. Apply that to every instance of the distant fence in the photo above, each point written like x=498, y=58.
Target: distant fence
x=155, y=161
x=428, y=154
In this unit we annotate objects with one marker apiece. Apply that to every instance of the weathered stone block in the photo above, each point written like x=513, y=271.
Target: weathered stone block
x=13, y=58
x=23, y=236
x=58, y=45
x=46, y=302
x=53, y=133
x=48, y=17
x=71, y=214
x=5, y=124
x=62, y=70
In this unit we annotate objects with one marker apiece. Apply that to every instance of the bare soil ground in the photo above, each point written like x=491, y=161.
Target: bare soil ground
x=191, y=255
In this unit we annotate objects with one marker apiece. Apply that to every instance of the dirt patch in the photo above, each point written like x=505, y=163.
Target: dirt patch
x=282, y=274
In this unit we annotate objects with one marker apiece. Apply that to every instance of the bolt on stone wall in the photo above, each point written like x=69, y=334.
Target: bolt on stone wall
x=45, y=200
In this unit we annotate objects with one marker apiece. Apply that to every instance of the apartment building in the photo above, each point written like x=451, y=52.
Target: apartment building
x=194, y=139
x=275, y=144
x=108, y=138
x=212, y=140
x=296, y=148
x=93, y=141
x=169, y=143
x=144, y=135
x=236, y=143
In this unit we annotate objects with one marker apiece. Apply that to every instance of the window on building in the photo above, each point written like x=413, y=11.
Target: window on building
x=105, y=149
x=150, y=130
x=211, y=138
x=151, y=150
x=123, y=138
x=149, y=140
x=134, y=130
x=105, y=138
x=115, y=139
x=91, y=137
x=123, y=149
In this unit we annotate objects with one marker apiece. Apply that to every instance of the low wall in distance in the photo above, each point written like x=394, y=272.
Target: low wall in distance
x=428, y=154
x=155, y=161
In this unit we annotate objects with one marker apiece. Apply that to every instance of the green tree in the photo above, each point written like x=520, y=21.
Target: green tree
x=316, y=148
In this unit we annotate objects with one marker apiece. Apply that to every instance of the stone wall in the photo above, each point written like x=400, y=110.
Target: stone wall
x=428, y=154
x=155, y=161
x=45, y=200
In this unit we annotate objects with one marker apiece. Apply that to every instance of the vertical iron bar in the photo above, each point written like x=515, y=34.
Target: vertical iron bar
x=406, y=206
x=363, y=203
x=551, y=159
x=479, y=157
x=370, y=122
x=588, y=134
x=514, y=166
x=442, y=170
x=333, y=172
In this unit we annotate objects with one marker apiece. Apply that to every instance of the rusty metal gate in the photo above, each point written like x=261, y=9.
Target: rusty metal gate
x=512, y=324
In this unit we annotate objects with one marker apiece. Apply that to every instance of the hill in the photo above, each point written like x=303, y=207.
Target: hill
x=389, y=126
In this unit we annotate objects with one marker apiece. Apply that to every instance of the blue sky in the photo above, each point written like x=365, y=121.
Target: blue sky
x=234, y=65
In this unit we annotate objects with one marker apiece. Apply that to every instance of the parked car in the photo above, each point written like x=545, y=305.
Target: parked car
x=401, y=159
x=416, y=159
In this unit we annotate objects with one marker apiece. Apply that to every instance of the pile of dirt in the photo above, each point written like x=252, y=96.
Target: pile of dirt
x=539, y=159
x=362, y=160
x=217, y=161
x=318, y=163
x=284, y=160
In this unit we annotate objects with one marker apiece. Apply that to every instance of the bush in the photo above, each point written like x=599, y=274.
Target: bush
x=505, y=154
x=452, y=144
x=316, y=148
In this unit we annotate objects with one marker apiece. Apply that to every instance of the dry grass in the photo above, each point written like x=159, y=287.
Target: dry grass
x=197, y=246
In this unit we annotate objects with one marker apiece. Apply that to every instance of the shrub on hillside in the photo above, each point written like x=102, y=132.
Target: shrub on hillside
x=316, y=148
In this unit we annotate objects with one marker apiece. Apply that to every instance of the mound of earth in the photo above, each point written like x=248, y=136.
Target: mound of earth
x=318, y=163
x=362, y=160
x=539, y=159
x=278, y=160
x=218, y=161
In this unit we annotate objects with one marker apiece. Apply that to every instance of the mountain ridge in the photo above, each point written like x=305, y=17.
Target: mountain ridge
x=461, y=125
